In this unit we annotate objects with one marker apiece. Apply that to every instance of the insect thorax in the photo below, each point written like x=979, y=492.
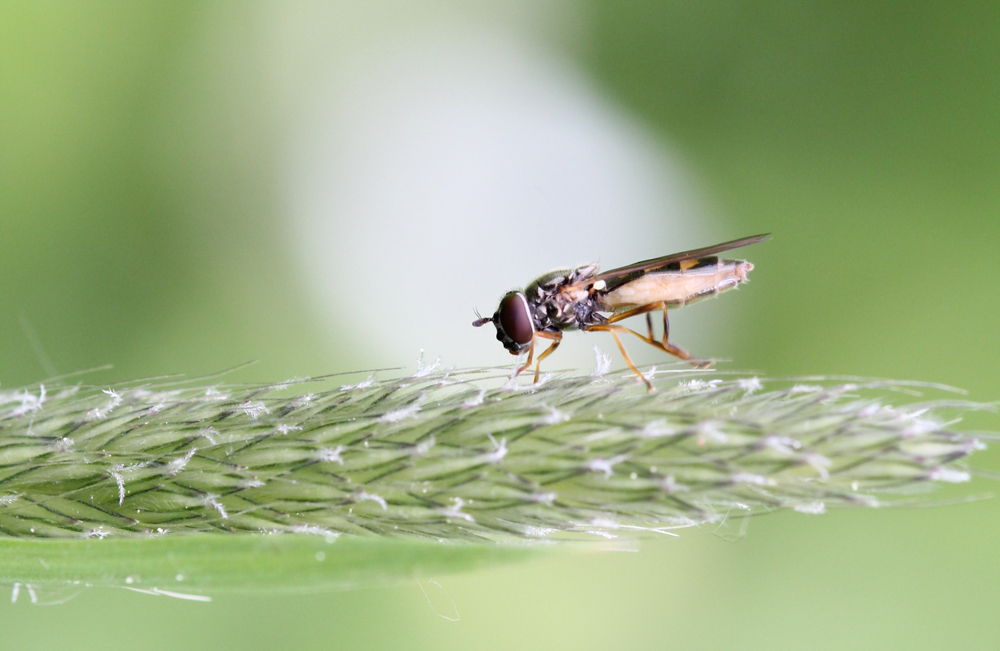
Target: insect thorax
x=556, y=307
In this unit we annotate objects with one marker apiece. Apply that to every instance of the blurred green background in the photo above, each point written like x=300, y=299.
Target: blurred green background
x=144, y=211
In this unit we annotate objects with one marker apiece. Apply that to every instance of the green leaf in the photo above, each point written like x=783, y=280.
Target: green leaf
x=200, y=564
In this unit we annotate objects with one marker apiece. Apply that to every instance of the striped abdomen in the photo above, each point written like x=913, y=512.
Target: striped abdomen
x=679, y=286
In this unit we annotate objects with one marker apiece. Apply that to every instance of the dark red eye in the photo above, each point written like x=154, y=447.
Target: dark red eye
x=515, y=318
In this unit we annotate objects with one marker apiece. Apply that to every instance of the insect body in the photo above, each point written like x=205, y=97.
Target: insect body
x=583, y=299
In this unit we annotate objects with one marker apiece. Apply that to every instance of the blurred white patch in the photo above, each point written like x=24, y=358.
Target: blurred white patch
x=811, y=508
x=949, y=475
x=441, y=167
x=602, y=364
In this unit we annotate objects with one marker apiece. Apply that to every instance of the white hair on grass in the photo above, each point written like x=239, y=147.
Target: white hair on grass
x=949, y=475
x=425, y=446
x=543, y=379
x=605, y=465
x=116, y=473
x=693, y=452
x=819, y=463
x=476, y=400
x=403, y=413
x=669, y=485
x=424, y=371
x=532, y=531
x=513, y=385
x=498, y=453
x=364, y=496
x=170, y=593
x=100, y=413
x=602, y=363
x=617, y=526
x=212, y=393
x=30, y=403
x=657, y=428
x=212, y=501
x=547, y=499
x=972, y=445
x=253, y=409
x=710, y=430
x=751, y=478
x=699, y=385
x=180, y=463
x=870, y=410
x=597, y=527
x=811, y=508
x=315, y=530
x=281, y=386
x=302, y=401
x=434, y=610
x=455, y=510
x=364, y=384
x=782, y=444
x=554, y=417
x=119, y=471
x=920, y=426
x=604, y=523
x=331, y=455
x=64, y=444
x=209, y=433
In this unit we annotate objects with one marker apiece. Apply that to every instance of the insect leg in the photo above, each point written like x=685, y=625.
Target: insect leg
x=633, y=312
x=531, y=353
x=614, y=330
x=666, y=325
x=556, y=340
x=680, y=353
x=671, y=349
x=663, y=345
x=531, y=349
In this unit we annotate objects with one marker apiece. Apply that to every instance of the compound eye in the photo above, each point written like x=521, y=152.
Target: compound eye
x=515, y=319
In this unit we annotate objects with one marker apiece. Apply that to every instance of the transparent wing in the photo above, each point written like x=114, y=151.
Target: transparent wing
x=616, y=277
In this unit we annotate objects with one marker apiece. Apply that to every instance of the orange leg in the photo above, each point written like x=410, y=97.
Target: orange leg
x=663, y=345
x=556, y=338
x=666, y=323
x=548, y=351
x=652, y=307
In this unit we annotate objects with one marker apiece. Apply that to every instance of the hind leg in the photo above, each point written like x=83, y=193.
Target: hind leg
x=664, y=343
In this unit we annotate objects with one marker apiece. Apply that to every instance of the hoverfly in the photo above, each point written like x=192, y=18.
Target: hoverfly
x=574, y=299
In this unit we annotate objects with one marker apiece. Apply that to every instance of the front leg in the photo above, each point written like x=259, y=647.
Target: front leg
x=556, y=339
x=531, y=350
